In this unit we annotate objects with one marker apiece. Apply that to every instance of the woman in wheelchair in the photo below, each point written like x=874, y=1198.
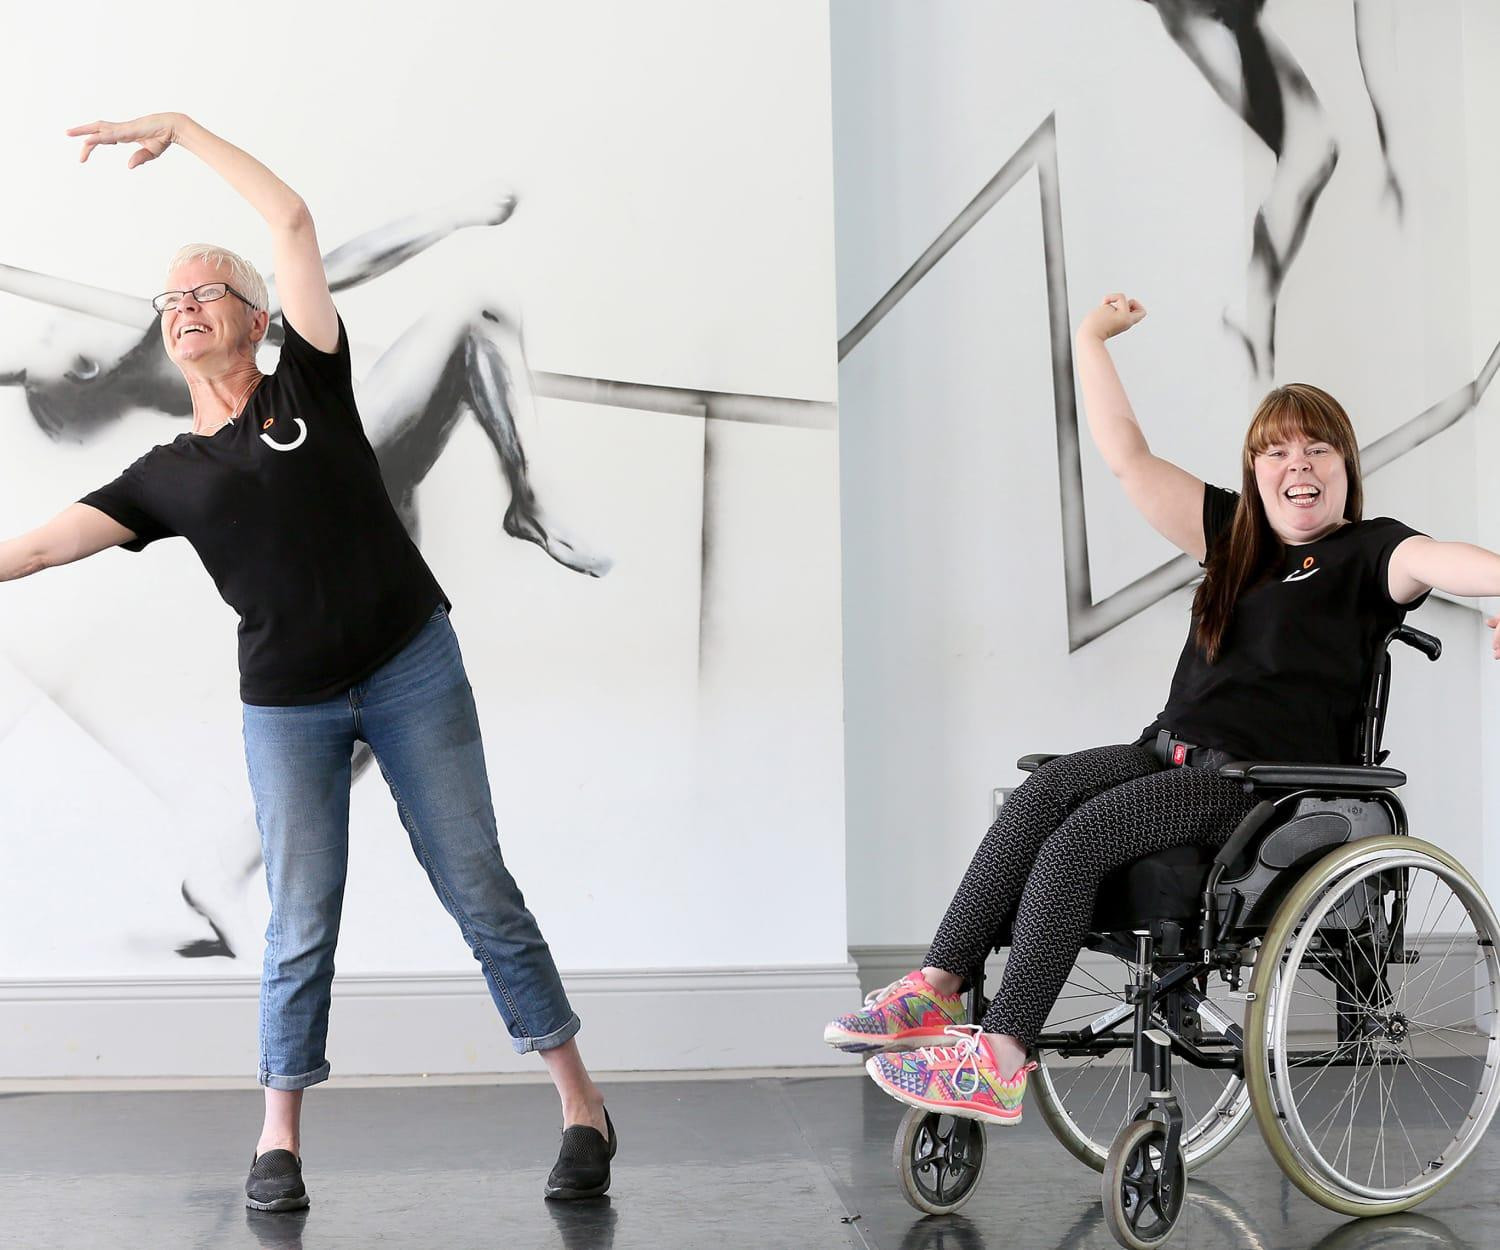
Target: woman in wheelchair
x=1299, y=598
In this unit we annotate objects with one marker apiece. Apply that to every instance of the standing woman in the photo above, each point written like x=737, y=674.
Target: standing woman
x=343, y=638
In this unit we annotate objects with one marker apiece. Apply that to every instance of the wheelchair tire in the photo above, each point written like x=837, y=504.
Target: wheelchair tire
x=1356, y=900
x=939, y=1160
x=1134, y=1210
x=1089, y=1128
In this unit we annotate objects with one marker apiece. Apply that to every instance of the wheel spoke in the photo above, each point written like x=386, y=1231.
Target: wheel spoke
x=1416, y=1157
x=1098, y=1090
x=1432, y=1102
x=1380, y=1143
x=1462, y=972
x=1333, y=1112
x=1448, y=951
x=1120, y=1070
x=1447, y=1002
x=1108, y=992
x=1435, y=1032
x=1427, y=1026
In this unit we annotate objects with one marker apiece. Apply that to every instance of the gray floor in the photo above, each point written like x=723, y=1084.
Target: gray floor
x=762, y=1163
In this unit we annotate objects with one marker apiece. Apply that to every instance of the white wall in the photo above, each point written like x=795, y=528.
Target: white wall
x=664, y=742
x=956, y=646
x=1481, y=29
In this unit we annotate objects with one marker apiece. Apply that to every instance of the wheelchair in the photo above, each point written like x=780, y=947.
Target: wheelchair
x=1325, y=973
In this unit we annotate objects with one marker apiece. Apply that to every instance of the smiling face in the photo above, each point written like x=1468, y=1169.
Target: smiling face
x=212, y=337
x=1303, y=486
x=1301, y=461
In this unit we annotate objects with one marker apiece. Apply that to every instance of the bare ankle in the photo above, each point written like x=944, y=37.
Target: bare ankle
x=588, y=1109
x=1010, y=1054
x=947, y=983
x=278, y=1143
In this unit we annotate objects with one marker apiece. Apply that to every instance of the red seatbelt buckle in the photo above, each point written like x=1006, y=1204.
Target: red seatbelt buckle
x=1179, y=753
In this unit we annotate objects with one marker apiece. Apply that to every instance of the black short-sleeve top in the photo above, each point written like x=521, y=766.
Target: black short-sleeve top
x=286, y=508
x=1296, y=661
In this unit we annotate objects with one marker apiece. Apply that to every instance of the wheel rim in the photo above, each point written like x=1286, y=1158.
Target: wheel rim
x=945, y=1158
x=1415, y=1045
x=1141, y=1208
x=1087, y=1101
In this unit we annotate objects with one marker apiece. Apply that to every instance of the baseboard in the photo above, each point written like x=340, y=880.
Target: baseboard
x=659, y=1019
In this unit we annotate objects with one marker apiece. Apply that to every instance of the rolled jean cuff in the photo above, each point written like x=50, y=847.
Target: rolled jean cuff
x=272, y=1081
x=552, y=1041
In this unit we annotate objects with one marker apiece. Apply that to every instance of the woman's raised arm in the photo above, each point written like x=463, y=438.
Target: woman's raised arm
x=300, y=281
x=1170, y=498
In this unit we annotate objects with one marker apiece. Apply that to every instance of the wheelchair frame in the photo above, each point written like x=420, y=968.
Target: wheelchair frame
x=1329, y=811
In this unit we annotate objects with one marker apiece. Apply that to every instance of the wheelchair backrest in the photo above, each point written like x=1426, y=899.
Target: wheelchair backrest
x=1309, y=824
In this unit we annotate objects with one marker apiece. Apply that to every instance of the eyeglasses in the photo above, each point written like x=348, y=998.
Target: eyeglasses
x=205, y=294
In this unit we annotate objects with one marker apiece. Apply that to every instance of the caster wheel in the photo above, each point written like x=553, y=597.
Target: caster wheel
x=939, y=1160
x=1143, y=1190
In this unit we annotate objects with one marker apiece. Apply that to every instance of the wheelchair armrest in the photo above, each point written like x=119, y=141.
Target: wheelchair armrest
x=1030, y=763
x=1347, y=778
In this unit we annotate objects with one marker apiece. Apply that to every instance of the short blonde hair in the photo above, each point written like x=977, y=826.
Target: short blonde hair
x=244, y=276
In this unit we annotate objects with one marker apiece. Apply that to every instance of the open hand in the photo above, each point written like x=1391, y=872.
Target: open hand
x=1115, y=314
x=155, y=133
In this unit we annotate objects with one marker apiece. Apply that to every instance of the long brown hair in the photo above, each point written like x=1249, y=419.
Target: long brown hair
x=1290, y=412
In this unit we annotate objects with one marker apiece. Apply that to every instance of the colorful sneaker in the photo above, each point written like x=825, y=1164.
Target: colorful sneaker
x=959, y=1080
x=904, y=1014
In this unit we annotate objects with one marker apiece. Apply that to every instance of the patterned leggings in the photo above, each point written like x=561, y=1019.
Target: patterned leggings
x=1061, y=831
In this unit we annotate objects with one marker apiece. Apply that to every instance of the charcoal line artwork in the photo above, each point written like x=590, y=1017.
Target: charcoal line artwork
x=1258, y=77
x=467, y=357
x=1089, y=618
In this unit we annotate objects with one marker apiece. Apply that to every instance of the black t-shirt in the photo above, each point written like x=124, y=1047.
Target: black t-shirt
x=1295, y=666
x=286, y=508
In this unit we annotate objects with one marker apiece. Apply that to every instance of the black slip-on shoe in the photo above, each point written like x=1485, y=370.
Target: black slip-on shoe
x=275, y=1183
x=582, y=1167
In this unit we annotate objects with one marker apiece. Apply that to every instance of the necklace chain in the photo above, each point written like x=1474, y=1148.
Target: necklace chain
x=234, y=411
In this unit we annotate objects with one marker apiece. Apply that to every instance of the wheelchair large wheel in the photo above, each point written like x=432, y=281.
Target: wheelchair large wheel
x=1143, y=1189
x=1371, y=1049
x=938, y=1159
x=1087, y=1100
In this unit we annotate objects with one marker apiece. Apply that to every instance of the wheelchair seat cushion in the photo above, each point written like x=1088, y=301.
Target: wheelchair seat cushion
x=1167, y=885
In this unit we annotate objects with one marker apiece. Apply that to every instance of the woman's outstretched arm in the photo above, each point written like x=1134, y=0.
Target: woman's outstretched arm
x=1421, y=564
x=300, y=279
x=77, y=531
x=1170, y=498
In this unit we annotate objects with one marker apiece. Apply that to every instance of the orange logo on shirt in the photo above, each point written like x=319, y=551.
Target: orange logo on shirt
x=268, y=423
x=1301, y=575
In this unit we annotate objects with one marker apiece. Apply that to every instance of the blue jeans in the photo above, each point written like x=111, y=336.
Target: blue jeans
x=417, y=714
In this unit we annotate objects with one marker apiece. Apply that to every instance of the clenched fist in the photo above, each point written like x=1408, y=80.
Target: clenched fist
x=1115, y=314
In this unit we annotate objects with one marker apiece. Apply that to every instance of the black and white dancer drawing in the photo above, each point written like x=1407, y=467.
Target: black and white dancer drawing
x=1089, y=618
x=1259, y=78
x=467, y=358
